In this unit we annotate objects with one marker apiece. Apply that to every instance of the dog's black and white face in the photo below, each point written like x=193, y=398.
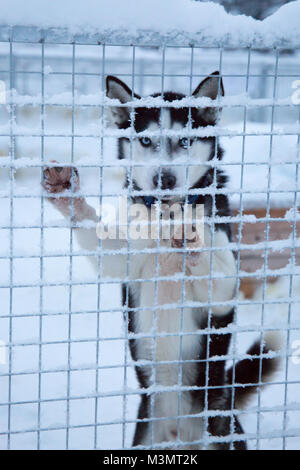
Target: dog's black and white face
x=166, y=156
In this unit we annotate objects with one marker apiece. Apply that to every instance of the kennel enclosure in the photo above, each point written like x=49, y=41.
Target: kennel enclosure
x=67, y=380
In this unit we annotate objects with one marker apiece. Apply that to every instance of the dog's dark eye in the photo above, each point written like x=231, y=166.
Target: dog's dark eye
x=145, y=141
x=184, y=142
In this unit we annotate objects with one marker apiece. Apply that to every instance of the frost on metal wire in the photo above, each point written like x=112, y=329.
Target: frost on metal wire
x=68, y=378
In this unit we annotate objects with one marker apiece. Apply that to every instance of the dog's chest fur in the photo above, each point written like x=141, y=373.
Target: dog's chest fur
x=161, y=315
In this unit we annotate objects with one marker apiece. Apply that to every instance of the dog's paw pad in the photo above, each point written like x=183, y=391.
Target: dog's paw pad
x=59, y=179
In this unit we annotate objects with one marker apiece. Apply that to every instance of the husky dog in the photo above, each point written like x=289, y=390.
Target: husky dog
x=179, y=349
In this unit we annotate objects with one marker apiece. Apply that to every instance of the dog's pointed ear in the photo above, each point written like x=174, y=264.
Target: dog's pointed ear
x=116, y=89
x=211, y=87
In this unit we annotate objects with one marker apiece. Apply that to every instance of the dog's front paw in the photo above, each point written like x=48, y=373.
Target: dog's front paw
x=59, y=179
x=60, y=184
x=193, y=257
x=190, y=240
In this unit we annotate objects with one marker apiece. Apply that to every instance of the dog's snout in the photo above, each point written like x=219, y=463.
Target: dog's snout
x=167, y=180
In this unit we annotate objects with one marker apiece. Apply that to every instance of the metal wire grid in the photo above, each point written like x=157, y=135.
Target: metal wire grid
x=96, y=424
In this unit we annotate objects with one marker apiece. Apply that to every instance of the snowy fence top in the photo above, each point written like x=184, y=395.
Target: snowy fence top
x=145, y=22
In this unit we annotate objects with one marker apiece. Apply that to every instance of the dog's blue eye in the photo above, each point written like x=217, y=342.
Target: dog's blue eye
x=184, y=142
x=145, y=141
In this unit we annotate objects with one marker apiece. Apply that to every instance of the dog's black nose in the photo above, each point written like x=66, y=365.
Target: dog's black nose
x=168, y=181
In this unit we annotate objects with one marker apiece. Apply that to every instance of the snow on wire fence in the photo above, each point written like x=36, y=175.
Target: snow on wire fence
x=67, y=377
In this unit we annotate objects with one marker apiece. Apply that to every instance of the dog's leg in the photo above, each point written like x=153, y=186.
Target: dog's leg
x=223, y=426
x=219, y=264
x=198, y=263
x=62, y=185
x=239, y=445
x=141, y=435
x=222, y=290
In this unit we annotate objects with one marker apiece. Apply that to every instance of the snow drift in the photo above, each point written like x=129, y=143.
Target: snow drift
x=181, y=22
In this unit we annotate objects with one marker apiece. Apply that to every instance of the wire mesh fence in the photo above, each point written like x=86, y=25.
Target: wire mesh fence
x=72, y=336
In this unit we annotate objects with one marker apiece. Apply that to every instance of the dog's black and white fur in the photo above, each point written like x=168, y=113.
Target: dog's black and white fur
x=144, y=304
